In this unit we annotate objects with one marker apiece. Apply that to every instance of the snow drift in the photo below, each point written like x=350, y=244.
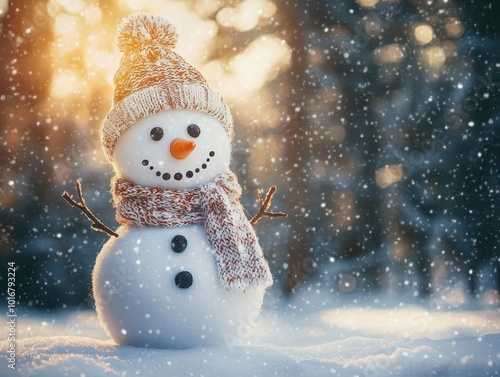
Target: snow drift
x=341, y=342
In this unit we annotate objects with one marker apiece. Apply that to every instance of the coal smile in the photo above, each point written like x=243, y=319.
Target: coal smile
x=178, y=176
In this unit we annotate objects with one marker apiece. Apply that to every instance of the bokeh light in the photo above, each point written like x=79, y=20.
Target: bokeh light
x=423, y=34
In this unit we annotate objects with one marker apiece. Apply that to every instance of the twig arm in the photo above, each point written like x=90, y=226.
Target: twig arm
x=264, y=206
x=80, y=194
x=82, y=206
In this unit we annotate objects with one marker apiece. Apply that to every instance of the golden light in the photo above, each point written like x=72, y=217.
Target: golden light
x=259, y=63
x=389, y=175
x=367, y=3
x=409, y=321
x=207, y=7
x=246, y=15
x=135, y=4
x=68, y=28
x=53, y=8
x=392, y=53
x=92, y=14
x=96, y=53
x=434, y=57
x=454, y=28
x=65, y=83
x=4, y=5
x=423, y=34
x=72, y=6
x=225, y=17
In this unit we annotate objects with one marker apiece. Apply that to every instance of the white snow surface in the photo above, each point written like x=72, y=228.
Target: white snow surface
x=348, y=341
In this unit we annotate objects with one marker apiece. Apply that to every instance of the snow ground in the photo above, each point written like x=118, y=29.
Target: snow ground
x=347, y=341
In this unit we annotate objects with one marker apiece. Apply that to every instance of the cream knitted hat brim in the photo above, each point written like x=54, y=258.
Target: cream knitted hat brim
x=153, y=78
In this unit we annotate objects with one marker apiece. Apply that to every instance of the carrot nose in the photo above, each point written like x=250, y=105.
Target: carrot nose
x=181, y=148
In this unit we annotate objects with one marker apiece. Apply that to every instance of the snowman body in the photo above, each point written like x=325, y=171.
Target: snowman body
x=160, y=286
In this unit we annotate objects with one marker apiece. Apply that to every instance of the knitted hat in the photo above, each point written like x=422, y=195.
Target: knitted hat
x=152, y=77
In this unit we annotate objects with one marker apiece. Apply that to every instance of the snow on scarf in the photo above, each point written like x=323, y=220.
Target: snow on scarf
x=216, y=205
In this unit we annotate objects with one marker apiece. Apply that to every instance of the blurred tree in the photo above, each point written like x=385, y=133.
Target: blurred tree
x=293, y=97
x=397, y=164
x=26, y=170
x=477, y=165
x=42, y=153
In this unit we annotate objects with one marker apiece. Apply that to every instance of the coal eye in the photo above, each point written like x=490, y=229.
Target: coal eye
x=156, y=133
x=193, y=130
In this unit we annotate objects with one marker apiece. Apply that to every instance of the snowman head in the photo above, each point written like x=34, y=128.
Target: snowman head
x=176, y=149
x=167, y=128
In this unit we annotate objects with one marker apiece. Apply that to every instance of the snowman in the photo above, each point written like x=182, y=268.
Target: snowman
x=186, y=270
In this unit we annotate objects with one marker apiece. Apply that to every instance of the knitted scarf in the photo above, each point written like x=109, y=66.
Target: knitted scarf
x=240, y=260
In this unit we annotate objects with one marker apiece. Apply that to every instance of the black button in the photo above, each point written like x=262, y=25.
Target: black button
x=184, y=279
x=179, y=243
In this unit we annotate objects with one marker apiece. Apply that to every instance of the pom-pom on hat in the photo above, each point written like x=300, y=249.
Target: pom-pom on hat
x=152, y=77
